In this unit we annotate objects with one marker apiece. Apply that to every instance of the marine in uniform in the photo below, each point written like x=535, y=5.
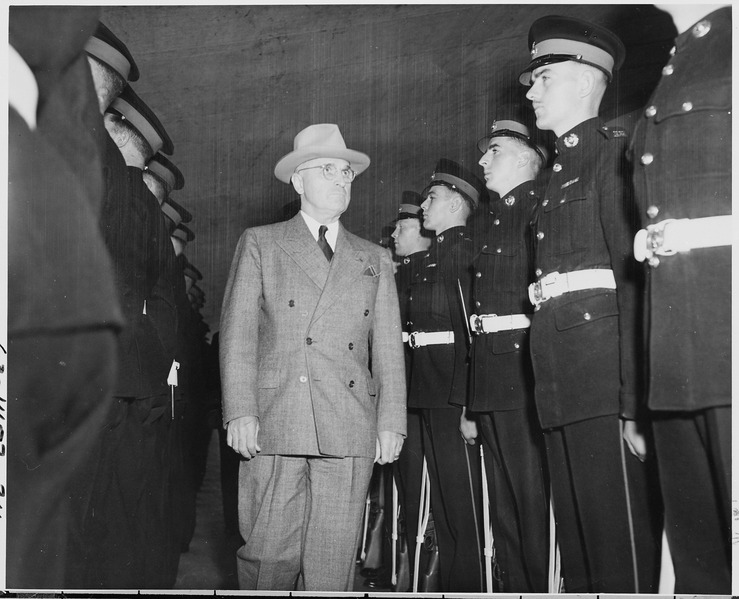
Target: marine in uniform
x=502, y=388
x=585, y=345
x=681, y=154
x=411, y=244
x=63, y=312
x=439, y=371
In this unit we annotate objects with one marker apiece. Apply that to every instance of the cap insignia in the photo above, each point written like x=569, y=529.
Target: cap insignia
x=534, y=50
x=494, y=127
x=571, y=140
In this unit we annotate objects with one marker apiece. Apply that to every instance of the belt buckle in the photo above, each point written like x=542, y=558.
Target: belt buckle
x=476, y=324
x=412, y=341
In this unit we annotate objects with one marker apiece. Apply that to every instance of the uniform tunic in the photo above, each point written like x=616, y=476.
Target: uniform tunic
x=585, y=353
x=439, y=375
x=682, y=169
x=503, y=396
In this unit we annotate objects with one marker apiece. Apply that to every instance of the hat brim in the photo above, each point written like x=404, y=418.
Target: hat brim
x=525, y=77
x=287, y=164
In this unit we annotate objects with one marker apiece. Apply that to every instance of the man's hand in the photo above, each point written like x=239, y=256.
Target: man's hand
x=635, y=438
x=388, y=447
x=241, y=436
x=467, y=428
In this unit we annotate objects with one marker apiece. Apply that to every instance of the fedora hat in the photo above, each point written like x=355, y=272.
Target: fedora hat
x=319, y=141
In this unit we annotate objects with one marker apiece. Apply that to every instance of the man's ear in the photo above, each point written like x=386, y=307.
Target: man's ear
x=455, y=203
x=120, y=135
x=524, y=157
x=297, y=182
x=587, y=82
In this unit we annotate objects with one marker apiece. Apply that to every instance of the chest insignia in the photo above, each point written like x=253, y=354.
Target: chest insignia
x=571, y=140
x=570, y=182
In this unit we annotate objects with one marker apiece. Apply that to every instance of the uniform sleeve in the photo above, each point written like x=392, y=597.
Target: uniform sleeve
x=619, y=222
x=388, y=361
x=239, y=331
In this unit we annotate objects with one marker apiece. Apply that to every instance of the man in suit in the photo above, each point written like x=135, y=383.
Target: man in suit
x=584, y=340
x=312, y=374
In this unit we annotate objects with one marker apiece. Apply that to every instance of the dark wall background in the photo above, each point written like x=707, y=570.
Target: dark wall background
x=406, y=84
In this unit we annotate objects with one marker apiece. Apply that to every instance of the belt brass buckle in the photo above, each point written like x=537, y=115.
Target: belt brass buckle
x=412, y=341
x=476, y=324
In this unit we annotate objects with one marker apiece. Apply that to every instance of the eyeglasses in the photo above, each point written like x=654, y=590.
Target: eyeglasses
x=331, y=172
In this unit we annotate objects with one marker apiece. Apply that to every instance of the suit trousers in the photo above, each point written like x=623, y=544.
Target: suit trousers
x=694, y=456
x=519, y=498
x=456, y=500
x=607, y=509
x=301, y=519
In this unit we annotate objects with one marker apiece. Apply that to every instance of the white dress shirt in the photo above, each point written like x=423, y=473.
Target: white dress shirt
x=331, y=234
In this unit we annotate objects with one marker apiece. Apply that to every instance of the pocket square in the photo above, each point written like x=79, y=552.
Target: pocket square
x=371, y=271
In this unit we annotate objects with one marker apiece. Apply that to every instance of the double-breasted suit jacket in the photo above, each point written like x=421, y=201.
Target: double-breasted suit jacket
x=310, y=347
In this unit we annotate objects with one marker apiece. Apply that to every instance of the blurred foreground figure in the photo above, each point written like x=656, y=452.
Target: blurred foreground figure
x=63, y=315
x=681, y=155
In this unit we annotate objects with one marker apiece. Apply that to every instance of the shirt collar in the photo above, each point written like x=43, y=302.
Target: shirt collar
x=332, y=232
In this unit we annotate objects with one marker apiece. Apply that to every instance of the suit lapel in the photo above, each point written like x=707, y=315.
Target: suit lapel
x=347, y=265
x=299, y=244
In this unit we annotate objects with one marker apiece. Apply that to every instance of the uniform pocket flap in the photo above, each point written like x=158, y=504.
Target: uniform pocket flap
x=506, y=342
x=583, y=311
x=696, y=98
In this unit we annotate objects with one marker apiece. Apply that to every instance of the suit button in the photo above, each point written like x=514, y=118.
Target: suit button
x=366, y=312
x=351, y=346
x=291, y=303
x=647, y=159
x=351, y=384
x=303, y=379
x=309, y=341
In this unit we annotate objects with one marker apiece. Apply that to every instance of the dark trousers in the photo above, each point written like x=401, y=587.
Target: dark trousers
x=518, y=485
x=455, y=474
x=694, y=456
x=126, y=529
x=409, y=471
x=607, y=509
x=58, y=399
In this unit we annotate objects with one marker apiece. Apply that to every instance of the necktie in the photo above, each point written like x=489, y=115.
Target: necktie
x=323, y=244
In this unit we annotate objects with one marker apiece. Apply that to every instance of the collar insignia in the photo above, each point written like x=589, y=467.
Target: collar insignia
x=510, y=200
x=571, y=140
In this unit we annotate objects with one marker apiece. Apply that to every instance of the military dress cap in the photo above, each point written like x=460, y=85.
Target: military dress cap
x=176, y=213
x=410, y=206
x=107, y=48
x=190, y=271
x=319, y=141
x=183, y=233
x=456, y=177
x=135, y=111
x=557, y=39
x=513, y=126
x=164, y=168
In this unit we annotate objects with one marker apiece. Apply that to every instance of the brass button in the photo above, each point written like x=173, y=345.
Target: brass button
x=652, y=211
x=540, y=235
x=650, y=111
x=587, y=316
x=498, y=250
x=538, y=272
x=517, y=346
x=557, y=167
x=478, y=274
x=496, y=221
x=702, y=28
x=668, y=70
x=687, y=106
x=647, y=159
x=545, y=202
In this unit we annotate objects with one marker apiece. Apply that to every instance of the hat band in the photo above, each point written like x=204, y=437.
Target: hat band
x=109, y=55
x=142, y=125
x=580, y=51
x=455, y=182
